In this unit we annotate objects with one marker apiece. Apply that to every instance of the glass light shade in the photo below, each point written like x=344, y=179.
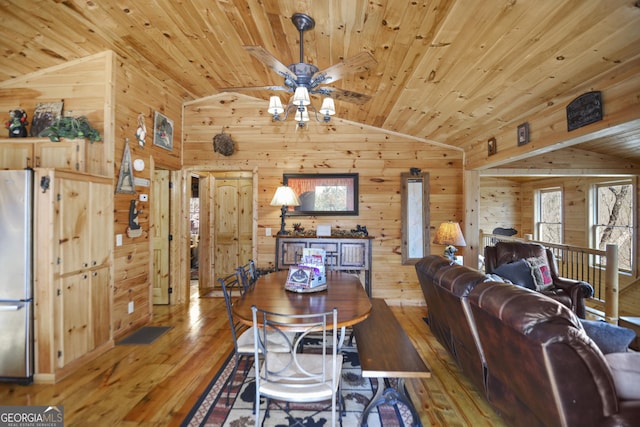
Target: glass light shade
x=275, y=106
x=328, y=107
x=301, y=96
x=302, y=116
x=449, y=233
x=285, y=196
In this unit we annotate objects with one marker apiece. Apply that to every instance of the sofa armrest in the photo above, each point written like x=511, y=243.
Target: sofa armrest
x=570, y=286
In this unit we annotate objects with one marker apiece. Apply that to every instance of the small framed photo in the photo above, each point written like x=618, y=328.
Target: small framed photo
x=523, y=134
x=163, y=131
x=492, y=146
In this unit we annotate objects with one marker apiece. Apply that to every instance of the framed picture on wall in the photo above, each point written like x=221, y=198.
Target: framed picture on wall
x=163, y=131
x=44, y=115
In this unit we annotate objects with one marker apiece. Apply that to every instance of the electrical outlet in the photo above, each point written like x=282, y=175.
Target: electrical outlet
x=118, y=239
x=267, y=231
x=130, y=307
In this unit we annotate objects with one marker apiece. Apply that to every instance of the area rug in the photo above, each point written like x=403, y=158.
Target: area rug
x=211, y=408
x=144, y=335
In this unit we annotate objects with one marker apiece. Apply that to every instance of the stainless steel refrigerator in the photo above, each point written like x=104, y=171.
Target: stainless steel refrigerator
x=16, y=281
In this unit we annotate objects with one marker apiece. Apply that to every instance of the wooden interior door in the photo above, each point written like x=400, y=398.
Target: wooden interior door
x=206, y=277
x=232, y=219
x=160, y=236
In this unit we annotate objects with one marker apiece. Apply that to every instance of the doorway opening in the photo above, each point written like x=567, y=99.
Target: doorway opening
x=194, y=229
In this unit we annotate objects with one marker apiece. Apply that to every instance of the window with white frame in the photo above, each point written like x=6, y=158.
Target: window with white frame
x=549, y=215
x=613, y=219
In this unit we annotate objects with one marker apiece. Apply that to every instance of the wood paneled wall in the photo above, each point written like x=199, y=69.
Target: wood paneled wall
x=500, y=204
x=379, y=157
x=137, y=92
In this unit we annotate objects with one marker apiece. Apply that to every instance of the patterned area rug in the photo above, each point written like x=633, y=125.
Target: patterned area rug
x=211, y=408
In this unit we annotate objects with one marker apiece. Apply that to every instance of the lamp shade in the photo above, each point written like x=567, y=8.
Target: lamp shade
x=449, y=233
x=301, y=96
x=285, y=196
x=328, y=107
x=275, y=105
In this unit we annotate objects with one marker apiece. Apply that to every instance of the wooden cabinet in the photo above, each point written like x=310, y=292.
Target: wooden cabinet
x=343, y=253
x=21, y=153
x=73, y=284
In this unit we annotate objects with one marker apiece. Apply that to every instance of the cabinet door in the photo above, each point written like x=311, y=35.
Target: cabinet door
x=61, y=155
x=291, y=253
x=74, y=238
x=353, y=254
x=100, y=232
x=100, y=303
x=74, y=306
x=16, y=155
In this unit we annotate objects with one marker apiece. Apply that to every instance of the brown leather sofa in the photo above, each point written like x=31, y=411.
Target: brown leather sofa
x=569, y=292
x=528, y=354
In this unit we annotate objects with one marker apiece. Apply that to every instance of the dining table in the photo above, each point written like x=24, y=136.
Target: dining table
x=344, y=291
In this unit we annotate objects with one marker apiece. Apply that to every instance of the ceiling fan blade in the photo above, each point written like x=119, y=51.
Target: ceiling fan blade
x=254, y=88
x=355, y=64
x=269, y=60
x=343, y=95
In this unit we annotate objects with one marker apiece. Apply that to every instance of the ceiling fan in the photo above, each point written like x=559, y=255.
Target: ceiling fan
x=303, y=75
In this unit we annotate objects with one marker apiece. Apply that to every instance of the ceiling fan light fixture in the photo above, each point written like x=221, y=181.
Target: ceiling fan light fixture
x=275, y=106
x=301, y=96
x=328, y=108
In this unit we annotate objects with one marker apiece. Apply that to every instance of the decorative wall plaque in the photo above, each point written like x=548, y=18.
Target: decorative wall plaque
x=584, y=110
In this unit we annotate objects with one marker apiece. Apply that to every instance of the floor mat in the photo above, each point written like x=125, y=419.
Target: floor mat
x=144, y=335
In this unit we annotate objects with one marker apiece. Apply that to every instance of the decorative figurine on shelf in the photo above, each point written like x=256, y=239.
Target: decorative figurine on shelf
x=17, y=124
x=360, y=230
x=298, y=228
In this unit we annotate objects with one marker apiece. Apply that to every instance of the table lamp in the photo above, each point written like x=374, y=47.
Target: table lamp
x=449, y=234
x=284, y=197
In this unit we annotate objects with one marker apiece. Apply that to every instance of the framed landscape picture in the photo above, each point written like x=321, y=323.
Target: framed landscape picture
x=163, y=131
x=324, y=194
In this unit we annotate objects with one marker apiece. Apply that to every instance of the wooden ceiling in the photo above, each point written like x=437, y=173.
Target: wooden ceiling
x=451, y=71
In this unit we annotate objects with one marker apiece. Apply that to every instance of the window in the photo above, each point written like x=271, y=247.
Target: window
x=549, y=215
x=613, y=219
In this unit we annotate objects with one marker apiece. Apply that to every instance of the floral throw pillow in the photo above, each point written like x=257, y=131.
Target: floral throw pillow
x=541, y=273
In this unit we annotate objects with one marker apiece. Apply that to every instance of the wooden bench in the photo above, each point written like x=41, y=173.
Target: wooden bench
x=386, y=352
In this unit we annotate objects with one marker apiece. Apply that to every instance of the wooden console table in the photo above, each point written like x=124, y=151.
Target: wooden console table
x=343, y=253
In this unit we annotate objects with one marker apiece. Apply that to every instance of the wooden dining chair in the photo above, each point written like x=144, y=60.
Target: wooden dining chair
x=242, y=334
x=295, y=376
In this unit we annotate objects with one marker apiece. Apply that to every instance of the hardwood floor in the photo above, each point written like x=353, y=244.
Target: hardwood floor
x=157, y=384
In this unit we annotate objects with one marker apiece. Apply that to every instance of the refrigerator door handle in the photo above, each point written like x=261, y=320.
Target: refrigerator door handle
x=12, y=307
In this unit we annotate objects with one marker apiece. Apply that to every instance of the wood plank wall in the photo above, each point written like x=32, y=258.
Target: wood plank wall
x=137, y=92
x=272, y=149
x=500, y=204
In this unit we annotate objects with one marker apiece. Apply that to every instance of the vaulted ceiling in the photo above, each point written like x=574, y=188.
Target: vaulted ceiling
x=451, y=71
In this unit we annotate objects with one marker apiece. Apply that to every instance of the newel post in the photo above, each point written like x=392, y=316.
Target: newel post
x=611, y=285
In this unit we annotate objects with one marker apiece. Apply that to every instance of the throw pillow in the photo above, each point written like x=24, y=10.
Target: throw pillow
x=541, y=273
x=625, y=369
x=518, y=272
x=609, y=338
